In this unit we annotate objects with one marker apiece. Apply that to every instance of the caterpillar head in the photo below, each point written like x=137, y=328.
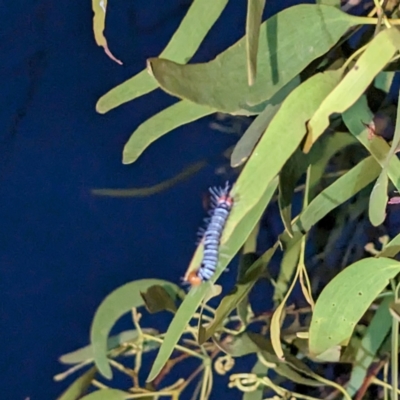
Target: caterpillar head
x=194, y=279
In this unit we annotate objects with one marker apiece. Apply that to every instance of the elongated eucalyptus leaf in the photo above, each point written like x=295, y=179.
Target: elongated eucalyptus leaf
x=331, y=144
x=107, y=394
x=337, y=193
x=250, y=138
x=78, y=388
x=355, y=118
x=253, y=21
x=284, y=51
x=378, y=53
x=116, y=304
x=333, y=321
x=199, y=19
x=86, y=353
x=158, y=125
x=283, y=135
x=231, y=244
x=372, y=340
x=379, y=199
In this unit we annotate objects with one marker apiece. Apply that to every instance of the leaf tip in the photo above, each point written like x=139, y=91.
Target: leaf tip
x=105, y=370
x=100, y=106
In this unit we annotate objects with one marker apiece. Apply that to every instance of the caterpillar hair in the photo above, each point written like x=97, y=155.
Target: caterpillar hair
x=222, y=204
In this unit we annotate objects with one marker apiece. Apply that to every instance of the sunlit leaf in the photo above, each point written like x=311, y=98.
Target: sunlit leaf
x=331, y=144
x=107, y=394
x=199, y=19
x=354, y=118
x=337, y=193
x=284, y=46
x=253, y=21
x=372, y=340
x=251, y=136
x=116, y=304
x=99, y=9
x=159, y=124
x=78, y=388
x=391, y=249
x=379, y=199
x=231, y=244
x=378, y=53
x=333, y=321
x=284, y=134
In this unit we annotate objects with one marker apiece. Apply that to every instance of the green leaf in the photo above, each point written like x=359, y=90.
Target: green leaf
x=334, y=195
x=333, y=3
x=288, y=265
x=231, y=245
x=245, y=262
x=255, y=10
x=86, y=353
x=250, y=138
x=283, y=135
x=392, y=248
x=372, y=340
x=99, y=10
x=383, y=80
x=116, y=304
x=199, y=19
x=284, y=45
x=337, y=193
x=240, y=291
x=378, y=53
x=395, y=146
x=292, y=368
x=159, y=124
x=107, y=394
x=354, y=118
x=290, y=174
x=157, y=298
x=78, y=388
x=379, y=199
x=331, y=144
x=333, y=321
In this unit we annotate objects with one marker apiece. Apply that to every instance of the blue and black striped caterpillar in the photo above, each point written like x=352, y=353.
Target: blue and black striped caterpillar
x=221, y=203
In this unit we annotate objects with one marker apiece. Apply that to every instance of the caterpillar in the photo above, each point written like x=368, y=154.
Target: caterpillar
x=221, y=205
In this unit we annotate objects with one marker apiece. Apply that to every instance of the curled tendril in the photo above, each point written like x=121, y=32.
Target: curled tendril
x=224, y=364
x=244, y=382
